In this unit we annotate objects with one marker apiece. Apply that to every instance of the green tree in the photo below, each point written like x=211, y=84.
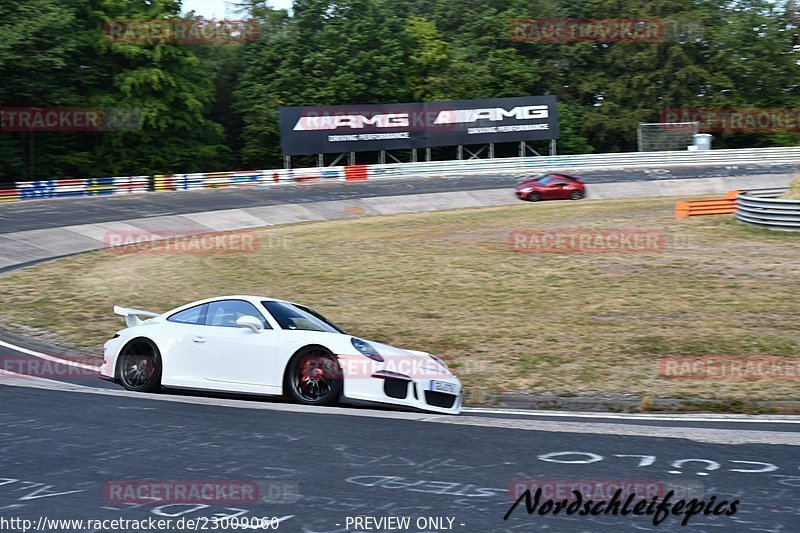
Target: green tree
x=428, y=55
x=165, y=84
x=41, y=44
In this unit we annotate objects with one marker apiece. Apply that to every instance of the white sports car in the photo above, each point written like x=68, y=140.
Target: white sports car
x=254, y=345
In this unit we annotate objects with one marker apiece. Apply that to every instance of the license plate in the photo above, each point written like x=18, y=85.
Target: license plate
x=444, y=386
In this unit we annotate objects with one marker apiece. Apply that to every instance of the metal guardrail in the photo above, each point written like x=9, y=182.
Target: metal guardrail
x=773, y=192
x=499, y=166
x=521, y=165
x=761, y=208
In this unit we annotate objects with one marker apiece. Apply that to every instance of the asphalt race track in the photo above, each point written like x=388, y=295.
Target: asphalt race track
x=38, y=214
x=62, y=450
x=68, y=442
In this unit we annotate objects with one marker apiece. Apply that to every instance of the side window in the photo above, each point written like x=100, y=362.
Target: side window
x=225, y=313
x=194, y=315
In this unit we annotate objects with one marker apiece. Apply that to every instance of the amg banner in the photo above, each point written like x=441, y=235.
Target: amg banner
x=363, y=128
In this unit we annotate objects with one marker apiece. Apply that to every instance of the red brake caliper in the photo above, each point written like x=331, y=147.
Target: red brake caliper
x=146, y=363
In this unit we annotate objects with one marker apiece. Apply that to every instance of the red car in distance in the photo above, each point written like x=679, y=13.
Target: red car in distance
x=550, y=186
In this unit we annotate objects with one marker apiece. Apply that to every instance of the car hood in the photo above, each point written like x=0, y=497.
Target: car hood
x=416, y=355
x=397, y=359
x=386, y=349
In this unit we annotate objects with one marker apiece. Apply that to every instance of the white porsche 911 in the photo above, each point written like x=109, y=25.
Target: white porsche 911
x=254, y=345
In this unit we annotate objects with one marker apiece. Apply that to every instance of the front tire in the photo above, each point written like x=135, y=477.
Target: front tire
x=140, y=366
x=534, y=197
x=314, y=378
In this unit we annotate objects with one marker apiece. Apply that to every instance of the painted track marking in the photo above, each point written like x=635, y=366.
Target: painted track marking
x=788, y=419
x=48, y=357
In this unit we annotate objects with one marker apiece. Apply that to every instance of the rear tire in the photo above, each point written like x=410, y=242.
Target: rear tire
x=140, y=366
x=576, y=195
x=314, y=378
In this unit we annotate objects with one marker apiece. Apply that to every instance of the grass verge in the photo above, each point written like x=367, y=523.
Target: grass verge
x=448, y=282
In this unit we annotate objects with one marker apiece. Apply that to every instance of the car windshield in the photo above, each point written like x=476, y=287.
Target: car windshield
x=544, y=180
x=291, y=316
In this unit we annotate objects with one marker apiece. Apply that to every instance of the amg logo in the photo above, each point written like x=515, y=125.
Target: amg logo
x=387, y=120
x=458, y=116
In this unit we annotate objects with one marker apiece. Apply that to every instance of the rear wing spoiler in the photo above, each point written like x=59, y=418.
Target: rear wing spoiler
x=131, y=318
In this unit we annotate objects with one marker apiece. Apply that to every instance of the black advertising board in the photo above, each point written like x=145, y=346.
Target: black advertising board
x=363, y=128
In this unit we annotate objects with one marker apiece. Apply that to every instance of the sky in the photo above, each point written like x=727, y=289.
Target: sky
x=220, y=8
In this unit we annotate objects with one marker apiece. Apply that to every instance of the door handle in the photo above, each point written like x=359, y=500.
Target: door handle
x=198, y=340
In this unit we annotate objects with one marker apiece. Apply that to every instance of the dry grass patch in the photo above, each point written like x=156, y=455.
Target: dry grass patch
x=794, y=190
x=447, y=282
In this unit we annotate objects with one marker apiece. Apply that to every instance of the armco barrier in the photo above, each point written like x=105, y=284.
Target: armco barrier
x=523, y=165
x=131, y=184
x=772, y=192
x=31, y=190
x=356, y=172
x=768, y=211
x=8, y=192
x=309, y=174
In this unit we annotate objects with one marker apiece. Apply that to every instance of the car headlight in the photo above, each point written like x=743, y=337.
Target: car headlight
x=527, y=189
x=442, y=362
x=366, y=348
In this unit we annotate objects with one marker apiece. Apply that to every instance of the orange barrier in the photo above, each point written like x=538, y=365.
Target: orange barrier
x=722, y=206
x=355, y=172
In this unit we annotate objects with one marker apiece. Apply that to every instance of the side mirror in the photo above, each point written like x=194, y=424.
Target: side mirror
x=251, y=323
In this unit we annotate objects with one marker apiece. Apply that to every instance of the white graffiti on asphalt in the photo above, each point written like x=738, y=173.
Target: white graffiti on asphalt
x=584, y=458
x=32, y=489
